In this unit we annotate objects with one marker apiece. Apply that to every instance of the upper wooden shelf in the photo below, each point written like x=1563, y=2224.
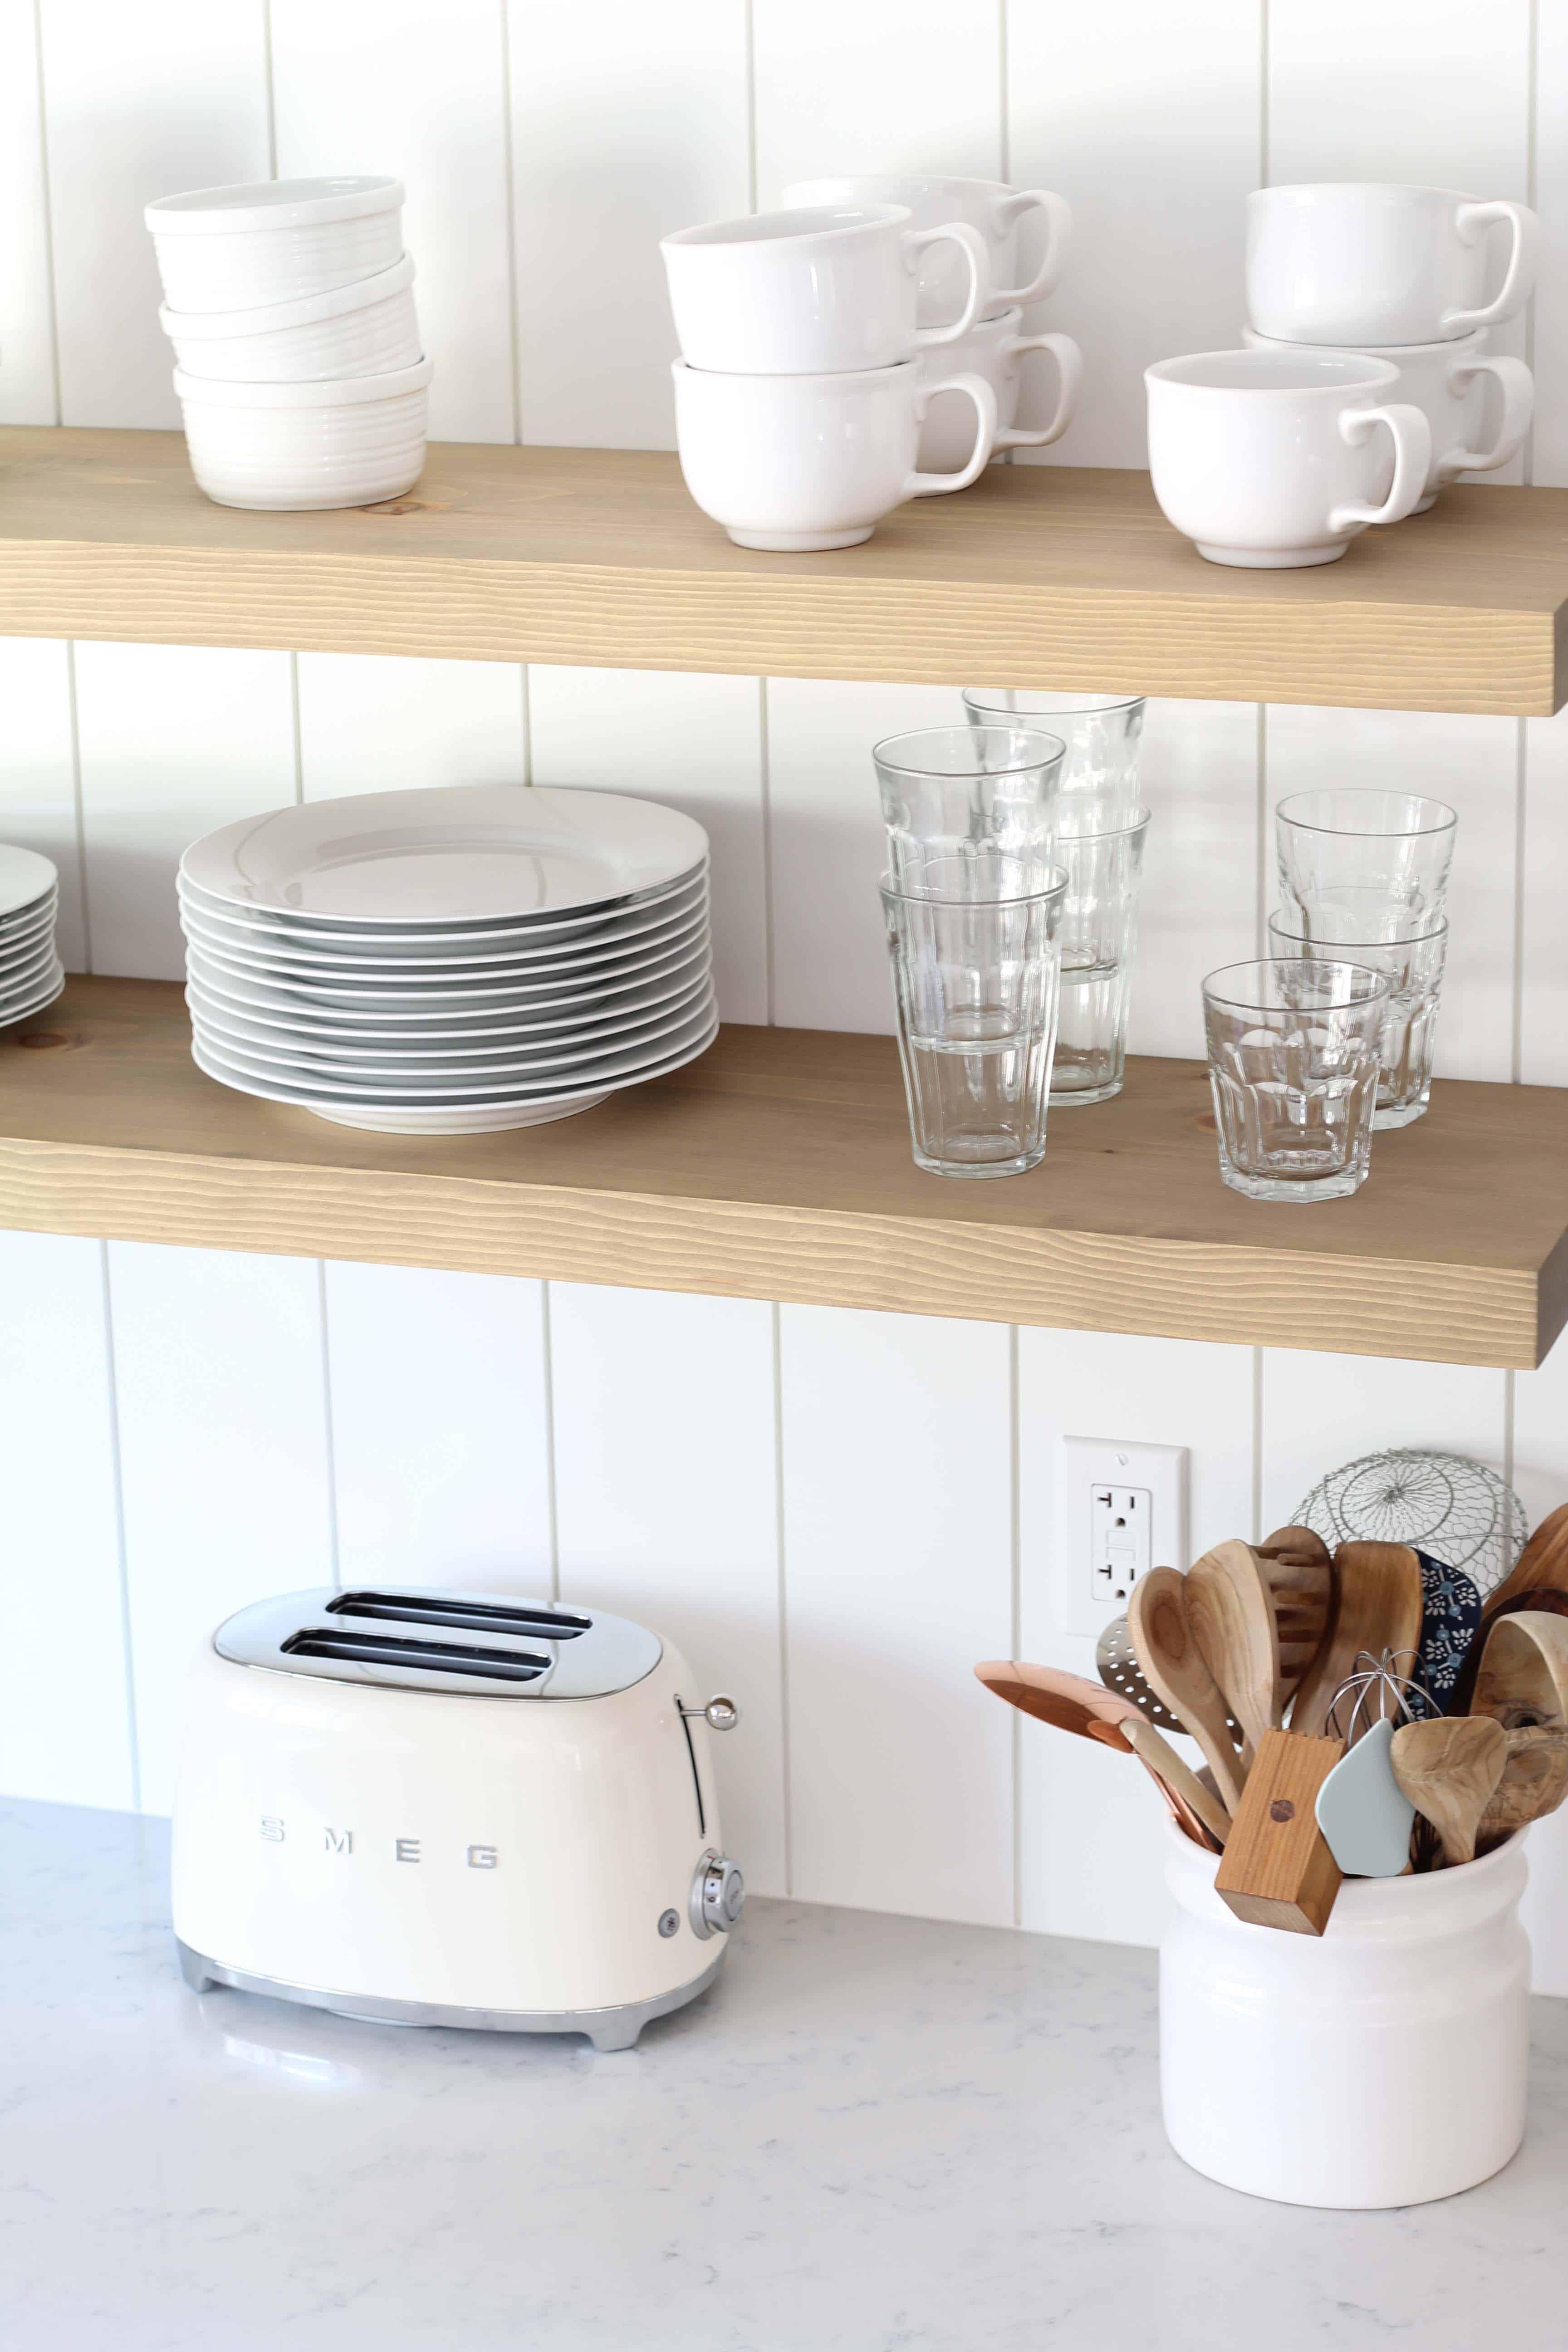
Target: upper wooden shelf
x=1038, y=576
x=778, y=1167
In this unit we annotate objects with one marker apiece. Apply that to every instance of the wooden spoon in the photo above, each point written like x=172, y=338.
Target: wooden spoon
x=1175, y=1671
x=1534, y=1781
x=1450, y=1768
x=1547, y=1598
x=1073, y=1703
x=1524, y=1674
x=1377, y=1605
x=1543, y=1562
x=1300, y=1573
x=1231, y=1614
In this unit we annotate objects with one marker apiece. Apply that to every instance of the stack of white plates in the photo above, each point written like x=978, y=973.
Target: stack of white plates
x=452, y=960
x=31, y=974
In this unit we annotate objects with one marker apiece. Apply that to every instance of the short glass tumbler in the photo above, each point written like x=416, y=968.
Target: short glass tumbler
x=1294, y=1047
x=975, y=793
x=1103, y=732
x=1102, y=859
x=1414, y=971
x=1368, y=865
x=975, y=986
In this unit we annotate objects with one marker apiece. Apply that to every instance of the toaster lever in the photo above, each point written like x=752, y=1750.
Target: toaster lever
x=721, y=1714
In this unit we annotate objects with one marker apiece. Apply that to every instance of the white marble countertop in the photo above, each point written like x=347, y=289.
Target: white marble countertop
x=875, y=2135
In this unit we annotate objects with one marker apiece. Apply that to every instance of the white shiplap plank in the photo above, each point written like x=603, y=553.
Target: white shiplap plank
x=666, y=1502
x=37, y=784
x=383, y=723
x=627, y=122
x=1544, y=1024
x=897, y=1511
x=140, y=103
x=1199, y=901
x=175, y=740
x=26, y=314
x=64, y=1719
x=440, y=1427
x=885, y=86
x=1472, y=763
x=694, y=742
x=1147, y=119
x=1550, y=437
x=1091, y=1827
x=418, y=87
x=828, y=846
x=223, y=1447
x=1322, y=1410
x=1541, y=1475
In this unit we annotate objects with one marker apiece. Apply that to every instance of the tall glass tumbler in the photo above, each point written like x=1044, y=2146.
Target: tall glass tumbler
x=1102, y=856
x=975, y=986
x=1414, y=971
x=977, y=794
x=1364, y=865
x=1294, y=1047
x=1103, y=732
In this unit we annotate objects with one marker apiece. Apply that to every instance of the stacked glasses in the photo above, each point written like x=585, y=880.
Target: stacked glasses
x=974, y=905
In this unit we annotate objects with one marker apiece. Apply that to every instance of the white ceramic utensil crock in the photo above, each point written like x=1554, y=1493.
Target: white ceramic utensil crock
x=274, y=240
x=808, y=462
x=1357, y=262
x=1379, y=2064
x=297, y=446
x=997, y=350
x=1274, y=459
x=998, y=211
x=367, y=329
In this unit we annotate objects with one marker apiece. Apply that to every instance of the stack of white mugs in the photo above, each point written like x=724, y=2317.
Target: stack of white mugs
x=861, y=347
x=1362, y=388
x=290, y=307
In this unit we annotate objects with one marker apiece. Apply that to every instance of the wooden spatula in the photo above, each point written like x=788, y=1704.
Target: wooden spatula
x=1300, y=1572
x=1449, y=1769
x=1534, y=1781
x=1377, y=1606
x=1543, y=1562
x=1073, y=1703
x=1231, y=1613
x=1173, y=1668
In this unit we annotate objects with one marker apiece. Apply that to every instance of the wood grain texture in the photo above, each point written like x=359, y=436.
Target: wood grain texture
x=598, y=556
x=1278, y=1871
x=779, y=1167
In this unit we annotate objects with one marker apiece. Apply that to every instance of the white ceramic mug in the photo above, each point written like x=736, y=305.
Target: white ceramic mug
x=814, y=461
x=823, y=290
x=995, y=349
x=1271, y=459
x=1353, y=262
x=1447, y=381
x=991, y=206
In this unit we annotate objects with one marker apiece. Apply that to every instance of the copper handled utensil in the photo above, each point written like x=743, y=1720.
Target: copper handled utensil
x=1377, y=1607
x=1073, y=1703
x=1450, y=1768
x=1172, y=1666
x=1231, y=1613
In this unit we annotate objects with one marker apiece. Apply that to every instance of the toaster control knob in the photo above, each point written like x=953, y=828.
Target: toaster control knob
x=718, y=1895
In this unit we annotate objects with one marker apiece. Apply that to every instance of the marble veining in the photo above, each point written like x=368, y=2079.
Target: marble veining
x=877, y=2135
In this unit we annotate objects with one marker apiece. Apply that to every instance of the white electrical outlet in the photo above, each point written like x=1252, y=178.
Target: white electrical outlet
x=1121, y=1510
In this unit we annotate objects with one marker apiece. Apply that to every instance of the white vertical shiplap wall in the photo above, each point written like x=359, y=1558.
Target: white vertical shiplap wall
x=837, y=1514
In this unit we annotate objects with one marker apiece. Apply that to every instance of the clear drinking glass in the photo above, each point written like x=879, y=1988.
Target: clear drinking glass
x=1294, y=1047
x=1101, y=731
x=1101, y=854
x=1414, y=971
x=975, y=986
x=978, y=793
x=1364, y=865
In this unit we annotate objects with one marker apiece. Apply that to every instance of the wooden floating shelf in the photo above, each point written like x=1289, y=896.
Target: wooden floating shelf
x=1038, y=576
x=778, y=1167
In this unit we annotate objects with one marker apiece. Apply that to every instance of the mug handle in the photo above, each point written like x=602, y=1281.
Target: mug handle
x=927, y=486
x=958, y=233
x=1520, y=275
x=1070, y=368
x=1412, y=461
x=1059, y=230
x=1517, y=408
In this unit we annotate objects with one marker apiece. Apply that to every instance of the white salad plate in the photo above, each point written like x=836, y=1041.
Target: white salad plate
x=447, y=853
x=268, y=1043
x=434, y=1017
x=337, y=934
x=26, y=877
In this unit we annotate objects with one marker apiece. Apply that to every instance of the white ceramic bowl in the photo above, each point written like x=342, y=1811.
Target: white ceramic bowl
x=367, y=329
x=274, y=240
x=294, y=446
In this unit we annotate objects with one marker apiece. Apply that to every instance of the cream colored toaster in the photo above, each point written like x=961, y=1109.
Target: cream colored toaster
x=451, y=1809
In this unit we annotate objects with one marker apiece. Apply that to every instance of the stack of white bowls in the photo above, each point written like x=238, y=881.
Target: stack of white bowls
x=31, y=974
x=449, y=961
x=290, y=307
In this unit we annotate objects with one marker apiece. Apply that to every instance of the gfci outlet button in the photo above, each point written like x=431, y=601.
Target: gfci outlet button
x=1122, y=1509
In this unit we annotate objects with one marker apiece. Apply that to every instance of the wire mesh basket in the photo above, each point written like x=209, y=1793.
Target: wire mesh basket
x=1457, y=1510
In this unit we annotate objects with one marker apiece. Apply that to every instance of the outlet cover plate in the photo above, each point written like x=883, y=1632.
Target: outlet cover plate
x=1086, y=1464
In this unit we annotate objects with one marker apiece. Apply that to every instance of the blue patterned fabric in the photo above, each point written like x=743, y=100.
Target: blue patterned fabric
x=1451, y=1620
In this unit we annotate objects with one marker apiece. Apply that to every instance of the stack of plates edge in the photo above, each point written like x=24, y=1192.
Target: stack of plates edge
x=31, y=974
x=452, y=959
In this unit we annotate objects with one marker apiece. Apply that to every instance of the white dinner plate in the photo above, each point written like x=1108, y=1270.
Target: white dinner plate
x=519, y=968
x=435, y=1017
x=22, y=971
x=44, y=993
x=24, y=876
x=270, y=1044
x=448, y=853
x=624, y=1004
x=313, y=932
x=28, y=920
x=390, y=952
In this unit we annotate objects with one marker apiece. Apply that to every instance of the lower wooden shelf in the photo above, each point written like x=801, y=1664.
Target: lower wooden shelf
x=778, y=1167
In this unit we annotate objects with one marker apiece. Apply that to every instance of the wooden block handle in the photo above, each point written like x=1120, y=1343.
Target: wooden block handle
x=1277, y=1870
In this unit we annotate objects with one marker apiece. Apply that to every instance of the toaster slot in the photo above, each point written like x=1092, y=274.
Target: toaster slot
x=428, y=1657
x=472, y=1616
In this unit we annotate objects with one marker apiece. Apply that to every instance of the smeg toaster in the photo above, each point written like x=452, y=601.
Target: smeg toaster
x=451, y=1809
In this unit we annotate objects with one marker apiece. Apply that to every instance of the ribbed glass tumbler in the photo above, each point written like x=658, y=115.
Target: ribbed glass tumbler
x=1414, y=971
x=1101, y=852
x=1364, y=865
x=975, y=985
x=974, y=793
x=1102, y=733
x=1294, y=1049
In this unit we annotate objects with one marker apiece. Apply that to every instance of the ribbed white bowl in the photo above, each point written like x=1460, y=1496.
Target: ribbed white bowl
x=274, y=240
x=367, y=329
x=295, y=447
